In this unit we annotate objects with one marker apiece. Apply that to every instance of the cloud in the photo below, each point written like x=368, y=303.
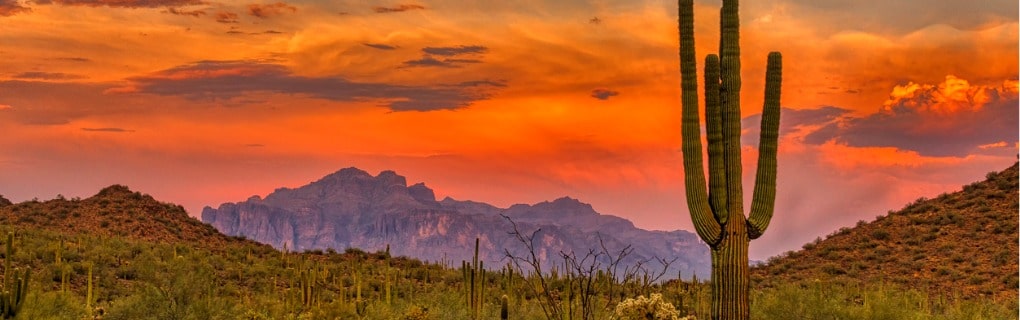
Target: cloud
x=992, y=146
x=951, y=119
x=226, y=17
x=380, y=46
x=603, y=94
x=181, y=12
x=72, y=59
x=108, y=129
x=903, y=16
x=4, y=107
x=213, y=80
x=254, y=145
x=428, y=59
x=480, y=83
x=124, y=3
x=12, y=7
x=270, y=10
x=37, y=75
x=398, y=8
x=59, y=102
x=453, y=51
x=793, y=122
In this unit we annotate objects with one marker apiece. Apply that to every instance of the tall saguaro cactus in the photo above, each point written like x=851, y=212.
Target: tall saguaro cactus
x=15, y=285
x=718, y=214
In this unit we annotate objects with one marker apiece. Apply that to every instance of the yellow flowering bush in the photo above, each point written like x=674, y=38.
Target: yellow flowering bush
x=651, y=307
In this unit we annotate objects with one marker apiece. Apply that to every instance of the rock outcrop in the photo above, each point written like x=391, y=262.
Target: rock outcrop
x=353, y=209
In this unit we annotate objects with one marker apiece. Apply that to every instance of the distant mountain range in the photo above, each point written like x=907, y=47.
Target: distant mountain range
x=353, y=209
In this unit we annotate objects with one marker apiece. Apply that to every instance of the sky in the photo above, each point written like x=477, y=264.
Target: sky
x=201, y=102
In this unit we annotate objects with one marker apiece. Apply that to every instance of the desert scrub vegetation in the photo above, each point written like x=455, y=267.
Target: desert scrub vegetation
x=926, y=246
x=91, y=277
x=152, y=261
x=828, y=300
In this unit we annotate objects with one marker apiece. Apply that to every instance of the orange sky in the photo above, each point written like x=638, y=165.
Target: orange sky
x=203, y=102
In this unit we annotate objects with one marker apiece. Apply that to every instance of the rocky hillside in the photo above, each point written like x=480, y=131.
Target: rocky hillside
x=353, y=209
x=114, y=211
x=959, y=243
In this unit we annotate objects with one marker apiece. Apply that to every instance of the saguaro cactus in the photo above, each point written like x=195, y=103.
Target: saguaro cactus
x=15, y=285
x=474, y=282
x=718, y=214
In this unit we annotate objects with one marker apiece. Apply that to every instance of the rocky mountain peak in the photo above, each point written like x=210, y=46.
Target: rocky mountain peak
x=564, y=207
x=422, y=193
x=114, y=191
x=390, y=178
x=345, y=174
x=351, y=208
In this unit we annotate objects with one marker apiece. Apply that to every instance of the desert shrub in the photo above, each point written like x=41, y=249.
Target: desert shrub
x=416, y=313
x=821, y=300
x=651, y=307
x=880, y=234
x=51, y=305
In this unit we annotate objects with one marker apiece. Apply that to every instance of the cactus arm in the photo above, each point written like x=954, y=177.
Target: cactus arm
x=729, y=94
x=763, y=203
x=713, y=128
x=694, y=177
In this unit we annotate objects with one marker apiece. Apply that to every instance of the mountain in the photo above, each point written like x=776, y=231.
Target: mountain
x=353, y=209
x=960, y=243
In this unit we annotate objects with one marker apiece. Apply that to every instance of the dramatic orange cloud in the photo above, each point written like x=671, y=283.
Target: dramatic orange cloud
x=12, y=7
x=270, y=10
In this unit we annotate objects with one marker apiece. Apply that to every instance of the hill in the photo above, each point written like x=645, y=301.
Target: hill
x=960, y=243
x=353, y=209
x=115, y=211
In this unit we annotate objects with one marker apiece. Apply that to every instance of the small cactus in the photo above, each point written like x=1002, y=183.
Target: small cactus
x=474, y=283
x=88, y=290
x=504, y=308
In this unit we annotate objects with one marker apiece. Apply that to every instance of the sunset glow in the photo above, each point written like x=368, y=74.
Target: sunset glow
x=204, y=102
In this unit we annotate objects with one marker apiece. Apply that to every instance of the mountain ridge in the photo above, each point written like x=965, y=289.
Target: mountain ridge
x=351, y=208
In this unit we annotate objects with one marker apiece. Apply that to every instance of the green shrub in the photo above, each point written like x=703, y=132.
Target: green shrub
x=880, y=234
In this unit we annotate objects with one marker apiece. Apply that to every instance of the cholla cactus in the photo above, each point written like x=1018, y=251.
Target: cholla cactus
x=652, y=307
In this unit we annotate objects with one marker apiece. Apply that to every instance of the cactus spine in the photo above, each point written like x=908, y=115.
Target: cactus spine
x=718, y=214
x=12, y=295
